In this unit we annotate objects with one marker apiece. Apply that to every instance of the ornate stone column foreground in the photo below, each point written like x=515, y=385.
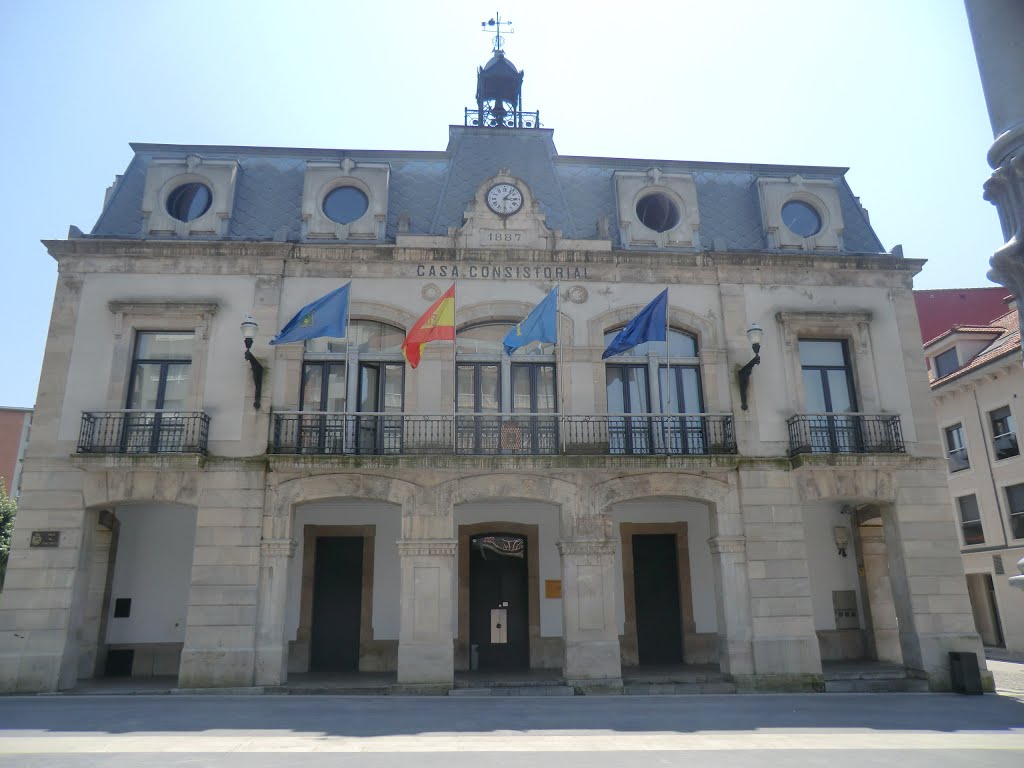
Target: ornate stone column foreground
x=996, y=30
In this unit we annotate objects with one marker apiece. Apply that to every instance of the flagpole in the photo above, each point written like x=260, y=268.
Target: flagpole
x=668, y=377
x=455, y=343
x=559, y=380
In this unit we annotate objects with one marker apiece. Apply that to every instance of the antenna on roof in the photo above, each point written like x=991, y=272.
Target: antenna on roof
x=496, y=25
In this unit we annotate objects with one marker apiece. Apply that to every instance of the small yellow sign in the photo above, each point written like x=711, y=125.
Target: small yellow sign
x=553, y=588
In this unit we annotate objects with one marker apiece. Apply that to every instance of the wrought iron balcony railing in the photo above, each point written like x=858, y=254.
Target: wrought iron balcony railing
x=139, y=432
x=845, y=433
x=512, y=434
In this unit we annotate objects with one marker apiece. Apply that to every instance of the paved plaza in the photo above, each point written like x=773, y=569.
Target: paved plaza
x=254, y=731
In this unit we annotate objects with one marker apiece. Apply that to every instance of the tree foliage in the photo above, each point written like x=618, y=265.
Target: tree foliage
x=8, y=509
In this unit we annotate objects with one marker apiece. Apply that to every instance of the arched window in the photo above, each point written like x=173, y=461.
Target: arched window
x=509, y=396
x=354, y=384
x=664, y=386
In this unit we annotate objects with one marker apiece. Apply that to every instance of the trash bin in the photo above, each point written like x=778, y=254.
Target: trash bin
x=964, y=673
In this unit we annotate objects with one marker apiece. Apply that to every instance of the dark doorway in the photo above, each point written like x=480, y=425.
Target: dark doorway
x=499, y=616
x=337, y=597
x=656, y=592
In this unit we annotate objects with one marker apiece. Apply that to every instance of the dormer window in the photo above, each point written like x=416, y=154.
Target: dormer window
x=946, y=363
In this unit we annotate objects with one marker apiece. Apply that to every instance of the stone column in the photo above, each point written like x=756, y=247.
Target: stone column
x=271, y=644
x=732, y=598
x=885, y=628
x=426, y=644
x=996, y=29
x=220, y=640
x=592, y=654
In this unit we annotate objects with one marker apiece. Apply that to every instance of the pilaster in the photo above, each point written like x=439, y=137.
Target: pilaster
x=426, y=651
x=592, y=653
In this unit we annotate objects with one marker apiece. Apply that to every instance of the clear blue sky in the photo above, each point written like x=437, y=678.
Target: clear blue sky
x=888, y=89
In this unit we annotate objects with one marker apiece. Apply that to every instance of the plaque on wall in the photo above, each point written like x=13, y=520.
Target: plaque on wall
x=553, y=588
x=45, y=539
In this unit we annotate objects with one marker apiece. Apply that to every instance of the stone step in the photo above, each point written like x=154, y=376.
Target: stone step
x=631, y=688
x=877, y=685
x=515, y=690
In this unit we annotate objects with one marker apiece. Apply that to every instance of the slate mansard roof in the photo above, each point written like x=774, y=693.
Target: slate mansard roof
x=435, y=188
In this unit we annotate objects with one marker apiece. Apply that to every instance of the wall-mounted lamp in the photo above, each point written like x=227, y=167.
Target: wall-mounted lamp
x=754, y=336
x=842, y=535
x=249, y=328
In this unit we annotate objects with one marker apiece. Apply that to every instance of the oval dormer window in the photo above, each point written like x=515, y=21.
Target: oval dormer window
x=189, y=201
x=658, y=212
x=345, y=204
x=801, y=218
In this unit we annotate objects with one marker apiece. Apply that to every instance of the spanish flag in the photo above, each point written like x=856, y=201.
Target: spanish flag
x=437, y=324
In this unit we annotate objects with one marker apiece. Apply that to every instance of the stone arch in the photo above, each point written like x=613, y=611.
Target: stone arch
x=854, y=485
x=384, y=313
x=510, y=312
x=361, y=486
x=109, y=489
x=560, y=493
x=664, y=484
x=678, y=317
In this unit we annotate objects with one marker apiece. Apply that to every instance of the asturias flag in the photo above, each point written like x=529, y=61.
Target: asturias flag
x=437, y=324
x=540, y=325
x=648, y=325
x=327, y=316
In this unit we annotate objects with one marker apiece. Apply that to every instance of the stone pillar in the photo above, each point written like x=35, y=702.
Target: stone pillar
x=996, y=30
x=91, y=651
x=885, y=628
x=732, y=598
x=271, y=644
x=785, y=645
x=426, y=643
x=927, y=578
x=220, y=640
x=592, y=654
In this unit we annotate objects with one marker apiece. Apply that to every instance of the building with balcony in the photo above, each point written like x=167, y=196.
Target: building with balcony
x=977, y=383
x=325, y=506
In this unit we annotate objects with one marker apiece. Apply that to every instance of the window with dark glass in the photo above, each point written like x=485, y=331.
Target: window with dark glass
x=946, y=363
x=189, y=201
x=970, y=520
x=1015, y=502
x=504, y=404
x=356, y=386
x=1004, y=433
x=345, y=204
x=676, y=391
x=158, y=389
x=958, y=459
x=828, y=393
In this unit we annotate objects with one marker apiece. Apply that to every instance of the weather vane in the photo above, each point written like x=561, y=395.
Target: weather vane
x=496, y=25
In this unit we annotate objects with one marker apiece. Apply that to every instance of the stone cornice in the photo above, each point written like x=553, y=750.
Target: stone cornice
x=428, y=547
x=223, y=252
x=162, y=461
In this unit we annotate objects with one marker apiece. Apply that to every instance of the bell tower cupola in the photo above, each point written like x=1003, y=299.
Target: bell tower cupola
x=499, y=87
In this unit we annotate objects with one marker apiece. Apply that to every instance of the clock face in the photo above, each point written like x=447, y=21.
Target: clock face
x=504, y=199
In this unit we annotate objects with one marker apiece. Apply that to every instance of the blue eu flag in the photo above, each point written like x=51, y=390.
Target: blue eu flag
x=327, y=316
x=648, y=325
x=540, y=325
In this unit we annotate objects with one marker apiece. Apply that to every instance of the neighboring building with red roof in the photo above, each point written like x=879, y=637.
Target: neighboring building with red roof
x=14, y=427
x=939, y=309
x=977, y=382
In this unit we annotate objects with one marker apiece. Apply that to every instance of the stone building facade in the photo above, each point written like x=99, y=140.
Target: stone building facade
x=977, y=381
x=548, y=509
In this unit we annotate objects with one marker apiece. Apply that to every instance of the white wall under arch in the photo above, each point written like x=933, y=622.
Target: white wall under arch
x=698, y=530
x=545, y=517
x=386, y=584
x=828, y=570
x=153, y=567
